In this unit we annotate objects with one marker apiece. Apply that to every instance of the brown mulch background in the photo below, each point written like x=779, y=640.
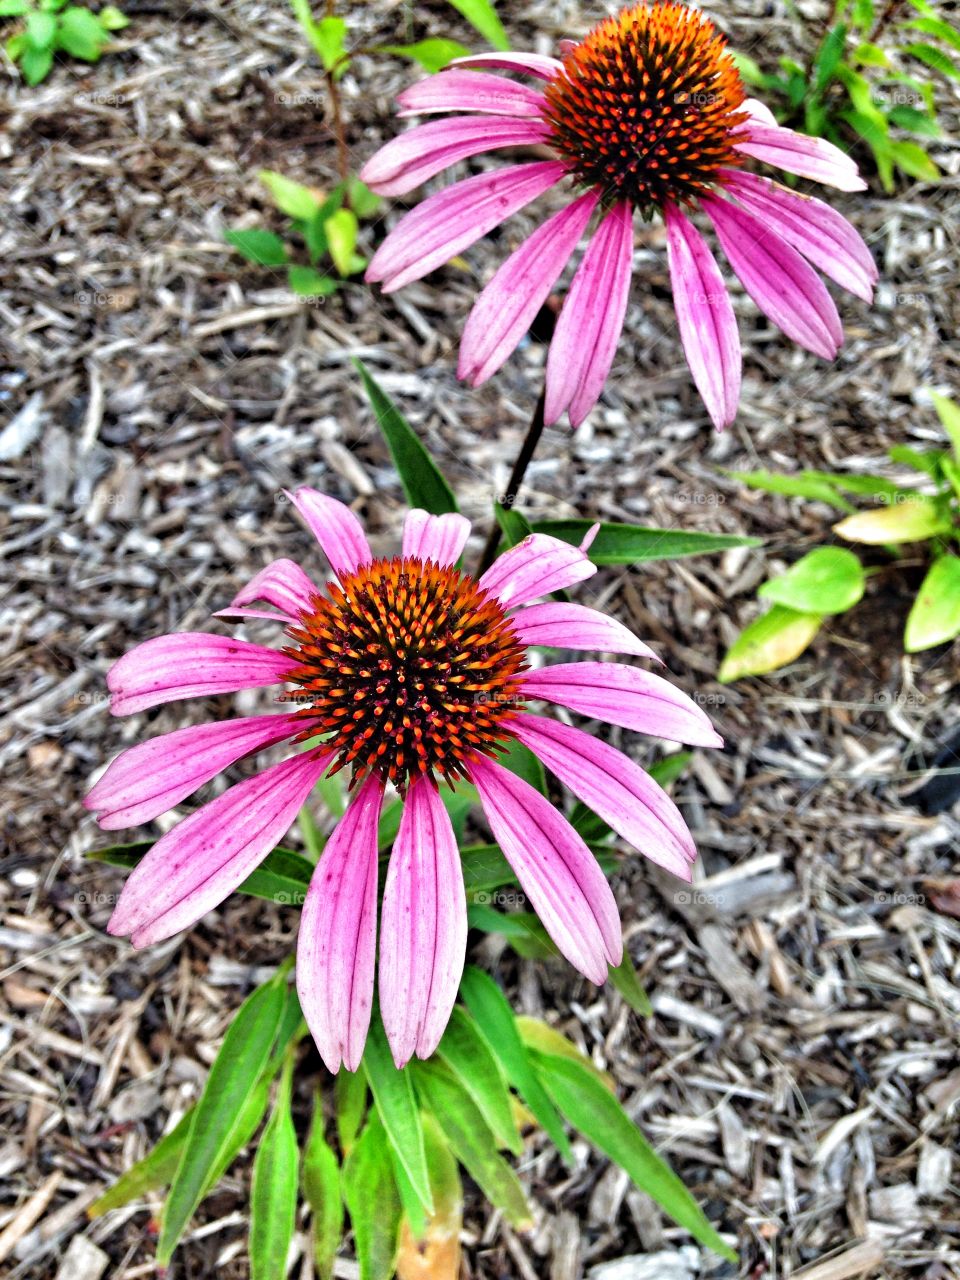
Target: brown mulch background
x=801, y=1070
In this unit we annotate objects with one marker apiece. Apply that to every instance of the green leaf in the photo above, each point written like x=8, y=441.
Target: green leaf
x=807, y=484
x=235, y=1070
x=468, y=1055
x=514, y=526
x=282, y=877
x=470, y=1140
x=914, y=121
x=750, y=72
x=273, y=1193
x=13, y=8
x=485, y=867
x=913, y=160
x=361, y=199
x=670, y=768
x=41, y=30
x=851, y=482
x=483, y=17
x=291, y=198
x=949, y=413
x=544, y=1040
x=827, y=580
x=624, y=978
x=350, y=1097
x=321, y=1189
x=495, y=1019
x=935, y=27
x=828, y=57
x=935, y=615
x=911, y=521
x=595, y=1112
x=870, y=55
x=397, y=1107
x=863, y=14
x=80, y=34
x=111, y=19
x=523, y=929
x=433, y=55
x=435, y=1253
x=926, y=461
x=308, y=282
x=633, y=544
x=154, y=1171
x=341, y=228
x=374, y=1204
x=770, y=642
x=258, y=246
x=35, y=64
x=933, y=57
x=521, y=761
x=329, y=39
x=422, y=482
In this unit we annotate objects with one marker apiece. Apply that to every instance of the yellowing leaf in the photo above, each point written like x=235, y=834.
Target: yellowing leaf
x=436, y=1255
x=769, y=643
x=910, y=521
x=935, y=616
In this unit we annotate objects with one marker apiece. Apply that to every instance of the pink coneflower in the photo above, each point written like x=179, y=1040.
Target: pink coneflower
x=409, y=672
x=647, y=113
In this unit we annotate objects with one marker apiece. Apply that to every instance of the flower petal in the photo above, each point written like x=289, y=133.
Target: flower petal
x=613, y=786
x=708, y=327
x=507, y=306
x=191, y=869
x=575, y=626
x=338, y=934
x=408, y=160
x=588, y=330
x=335, y=527
x=556, y=870
x=282, y=583
x=758, y=112
x=821, y=234
x=437, y=538
x=531, y=64
x=154, y=776
x=190, y=664
x=783, y=286
x=628, y=696
x=453, y=219
x=423, y=927
x=535, y=567
x=796, y=153
x=471, y=91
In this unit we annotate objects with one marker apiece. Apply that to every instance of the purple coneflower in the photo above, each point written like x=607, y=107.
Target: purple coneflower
x=406, y=671
x=647, y=113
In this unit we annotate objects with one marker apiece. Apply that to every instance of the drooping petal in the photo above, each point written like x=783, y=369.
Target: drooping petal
x=335, y=527
x=783, y=286
x=588, y=330
x=556, y=870
x=576, y=626
x=282, y=583
x=796, y=153
x=451, y=220
x=708, y=327
x=437, y=538
x=613, y=786
x=627, y=696
x=198, y=863
x=154, y=776
x=190, y=664
x=408, y=160
x=338, y=934
x=471, y=91
x=423, y=927
x=531, y=64
x=507, y=305
x=535, y=567
x=822, y=235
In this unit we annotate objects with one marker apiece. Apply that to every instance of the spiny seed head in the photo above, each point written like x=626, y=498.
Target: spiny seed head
x=645, y=106
x=406, y=668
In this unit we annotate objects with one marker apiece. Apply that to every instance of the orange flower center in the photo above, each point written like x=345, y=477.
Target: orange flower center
x=646, y=105
x=406, y=668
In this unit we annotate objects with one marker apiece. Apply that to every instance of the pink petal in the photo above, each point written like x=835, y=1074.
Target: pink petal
x=154, y=776
x=423, y=927
x=451, y=220
x=338, y=934
x=410, y=159
x=821, y=234
x=556, y=870
x=782, y=285
x=282, y=583
x=437, y=538
x=190, y=664
x=758, y=112
x=614, y=787
x=535, y=567
x=588, y=330
x=197, y=864
x=796, y=153
x=575, y=626
x=507, y=306
x=335, y=527
x=471, y=91
x=531, y=64
x=628, y=696
x=708, y=327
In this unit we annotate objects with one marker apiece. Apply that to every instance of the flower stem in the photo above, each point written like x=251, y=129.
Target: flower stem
x=509, y=495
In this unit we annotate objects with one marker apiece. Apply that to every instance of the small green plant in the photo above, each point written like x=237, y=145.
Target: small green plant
x=53, y=27
x=326, y=225
x=869, y=79
x=831, y=580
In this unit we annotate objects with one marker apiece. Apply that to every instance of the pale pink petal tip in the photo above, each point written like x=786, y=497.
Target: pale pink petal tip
x=335, y=527
x=337, y=943
x=534, y=64
x=437, y=538
x=471, y=91
x=814, y=158
x=535, y=567
x=559, y=625
x=282, y=584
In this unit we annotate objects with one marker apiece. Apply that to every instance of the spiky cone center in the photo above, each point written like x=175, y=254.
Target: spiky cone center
x=406, y=668
x=646, y=106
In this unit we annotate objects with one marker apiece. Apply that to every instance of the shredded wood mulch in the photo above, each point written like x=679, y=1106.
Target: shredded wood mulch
x=801, y=1069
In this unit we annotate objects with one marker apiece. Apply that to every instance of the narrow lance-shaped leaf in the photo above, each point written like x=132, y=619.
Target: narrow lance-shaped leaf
x=321, y=1189
x=371, y=1195
x=472, y=1061
x=435, y=1254
x=398, y=1110
x=273, y=1194
x=350, y=1098
x=154, y=1171
x=483, y=17
x=624, y=978
x=633, y=544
